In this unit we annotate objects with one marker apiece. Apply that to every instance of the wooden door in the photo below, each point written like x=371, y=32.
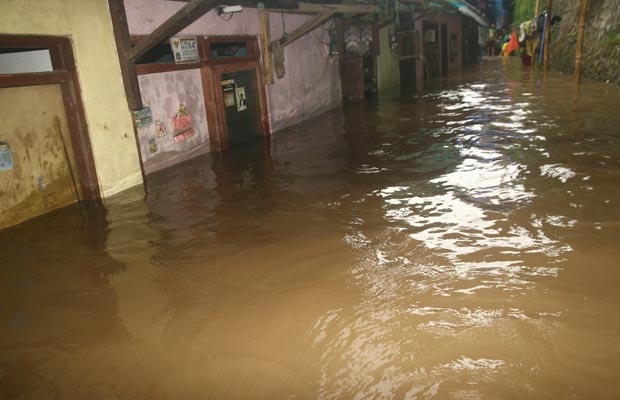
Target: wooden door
x=352, y=77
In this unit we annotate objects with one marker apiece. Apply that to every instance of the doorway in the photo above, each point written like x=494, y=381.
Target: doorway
x=444, y=49
x=240, y=94
x=235, y=98
x=47, y=161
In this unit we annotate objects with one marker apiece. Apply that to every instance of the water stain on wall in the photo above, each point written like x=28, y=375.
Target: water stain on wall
x=36, y=129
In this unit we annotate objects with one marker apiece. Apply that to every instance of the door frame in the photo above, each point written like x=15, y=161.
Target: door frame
x=211, y=74
x=65, y=74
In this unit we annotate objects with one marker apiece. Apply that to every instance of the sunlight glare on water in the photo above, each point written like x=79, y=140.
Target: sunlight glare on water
x=462, y=244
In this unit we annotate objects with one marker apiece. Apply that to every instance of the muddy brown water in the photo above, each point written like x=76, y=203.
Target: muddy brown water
x=462, y=244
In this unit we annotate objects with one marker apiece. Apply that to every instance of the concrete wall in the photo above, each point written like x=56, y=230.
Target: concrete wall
x=601, y=48
x=388, y=73
x=455, y=56
x=312, y=81
x=89, y=25
x=33, y=120
x=312, y=84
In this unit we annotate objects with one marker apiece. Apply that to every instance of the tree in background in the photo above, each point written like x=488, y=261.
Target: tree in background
x=523, y=10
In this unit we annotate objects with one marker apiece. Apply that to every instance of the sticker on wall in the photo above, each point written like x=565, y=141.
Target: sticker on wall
x=228, y=87
x=153, y=145
x=241, y=100
x=182, y=125
x=143, y=117
x=6, y=158
x=160, y=129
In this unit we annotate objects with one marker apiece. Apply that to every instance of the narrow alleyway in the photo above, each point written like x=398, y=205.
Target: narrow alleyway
x=462, y=244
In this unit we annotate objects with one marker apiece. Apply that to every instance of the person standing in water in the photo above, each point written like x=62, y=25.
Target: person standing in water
x=491, y=41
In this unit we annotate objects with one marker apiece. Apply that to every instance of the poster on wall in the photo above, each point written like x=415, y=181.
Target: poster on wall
x=241, y=100
x=143, y=117
x=185, y=49
x=160, y=129
x=6, y=158
x=182, y=124
x=153, y=145
x=228, y=87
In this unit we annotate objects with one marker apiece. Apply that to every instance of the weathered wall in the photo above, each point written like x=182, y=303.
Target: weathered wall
x=455, y=50
x=311, y=85
x=388, y=71
x=164, y=93
x=89, y=25
x=33, y=120
x=454, y=25
x=312, y=81
x=601, y=51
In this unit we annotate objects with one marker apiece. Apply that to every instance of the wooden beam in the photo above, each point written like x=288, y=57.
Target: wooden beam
x=264, y=37
x=181, y=19
x=547, y=37
x=285, y=4
x=337, y=8
x=33, y=78
x=306, y=27
x=123, y=46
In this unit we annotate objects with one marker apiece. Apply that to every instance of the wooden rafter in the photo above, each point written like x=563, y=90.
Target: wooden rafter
x=314, y=8
x=286, y=4
x=303, y=7
x=123, y=45
x=337, y=8
x=181, y=19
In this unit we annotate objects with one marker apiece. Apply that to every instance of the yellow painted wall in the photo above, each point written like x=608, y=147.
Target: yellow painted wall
x=388, y=72
x=88, y=24
x=33, y=120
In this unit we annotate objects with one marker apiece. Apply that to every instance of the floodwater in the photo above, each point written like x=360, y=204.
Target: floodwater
x=462, y=244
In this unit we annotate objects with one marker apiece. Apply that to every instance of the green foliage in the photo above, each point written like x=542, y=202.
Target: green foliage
x=523, y=11
x=611, y=39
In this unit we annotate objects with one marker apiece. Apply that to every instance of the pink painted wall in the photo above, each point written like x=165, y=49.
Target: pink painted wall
x=311, y=84
x=164, y=93
x=312, y=81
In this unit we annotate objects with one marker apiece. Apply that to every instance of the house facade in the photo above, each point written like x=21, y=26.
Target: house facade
x=95, y=95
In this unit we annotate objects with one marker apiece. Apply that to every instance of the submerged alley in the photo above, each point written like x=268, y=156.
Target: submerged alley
x=460, y=243
x=449, y=232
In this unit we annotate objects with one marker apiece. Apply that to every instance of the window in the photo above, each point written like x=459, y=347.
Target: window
x=25, y=60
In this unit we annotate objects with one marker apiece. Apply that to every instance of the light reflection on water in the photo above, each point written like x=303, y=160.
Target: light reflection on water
x=459, y=245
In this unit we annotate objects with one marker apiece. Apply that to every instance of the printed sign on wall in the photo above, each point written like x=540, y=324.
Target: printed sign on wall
x=185, y=49
x=6, y=158
x=182, y=125
x=241, y=100
x=160, y=129
x=143, y=117
x=153, y=145
x=228, y=87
